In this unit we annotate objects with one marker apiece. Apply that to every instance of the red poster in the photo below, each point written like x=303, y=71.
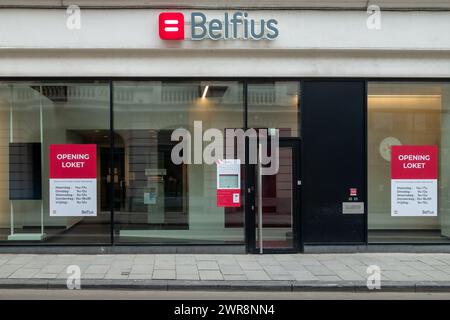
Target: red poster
x=414, y=162
x=73, y=180
x=228, y=197
x=73, y=161
x=414, y=177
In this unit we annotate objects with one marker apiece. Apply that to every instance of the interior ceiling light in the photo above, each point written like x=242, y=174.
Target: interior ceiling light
x=212, y=91
x=205, y=91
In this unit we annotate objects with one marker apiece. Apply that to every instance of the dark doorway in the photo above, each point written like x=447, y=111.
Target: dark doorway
x=276, y=226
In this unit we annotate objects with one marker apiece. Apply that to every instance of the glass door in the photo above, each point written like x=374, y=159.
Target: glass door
x=276, y=202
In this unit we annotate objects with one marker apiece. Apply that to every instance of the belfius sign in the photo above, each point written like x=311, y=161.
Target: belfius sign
x=414, y=174
x=73, y=180
x=231, y=26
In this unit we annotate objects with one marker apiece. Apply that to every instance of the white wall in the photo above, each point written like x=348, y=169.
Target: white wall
x=125, y=42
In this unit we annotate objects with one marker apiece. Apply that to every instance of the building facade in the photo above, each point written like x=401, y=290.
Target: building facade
x=95, y=99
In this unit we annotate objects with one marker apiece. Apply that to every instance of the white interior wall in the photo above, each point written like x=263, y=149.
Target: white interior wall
x=4, y=158
x=444, y=164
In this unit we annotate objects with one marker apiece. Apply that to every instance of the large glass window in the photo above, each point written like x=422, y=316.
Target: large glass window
x=34, y=117
x=416, y=115
x=161, y=199
x=156, y=199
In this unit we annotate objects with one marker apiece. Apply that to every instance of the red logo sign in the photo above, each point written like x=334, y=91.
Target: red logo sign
x=353, y=192
x=414, y=162
x=73, y=161
x=171, y=26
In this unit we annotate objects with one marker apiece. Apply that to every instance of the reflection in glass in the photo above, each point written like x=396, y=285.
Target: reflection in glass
x=163, y=201
x=277, y=205
x=274, y=105
x=32, y=117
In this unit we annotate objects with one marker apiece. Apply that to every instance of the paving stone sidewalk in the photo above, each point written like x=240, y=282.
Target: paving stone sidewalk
x=407, y=269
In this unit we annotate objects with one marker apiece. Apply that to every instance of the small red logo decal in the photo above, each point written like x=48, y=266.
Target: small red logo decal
x=171, y=26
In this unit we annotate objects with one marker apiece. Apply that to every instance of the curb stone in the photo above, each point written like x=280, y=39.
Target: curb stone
x=220, y=285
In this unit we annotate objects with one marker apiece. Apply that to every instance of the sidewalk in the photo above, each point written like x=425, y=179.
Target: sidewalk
x=287, y=272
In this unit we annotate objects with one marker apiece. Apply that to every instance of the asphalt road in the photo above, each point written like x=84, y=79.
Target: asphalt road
x=18, y=294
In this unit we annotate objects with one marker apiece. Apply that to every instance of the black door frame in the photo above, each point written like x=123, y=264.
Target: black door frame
x=250, y=208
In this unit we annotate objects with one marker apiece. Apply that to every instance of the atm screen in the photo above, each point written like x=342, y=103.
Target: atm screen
x=229, y=181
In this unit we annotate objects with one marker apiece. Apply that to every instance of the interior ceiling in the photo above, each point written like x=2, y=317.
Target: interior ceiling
x=234, y=4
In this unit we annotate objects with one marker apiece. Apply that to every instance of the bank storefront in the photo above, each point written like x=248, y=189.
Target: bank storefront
x=116, y=134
